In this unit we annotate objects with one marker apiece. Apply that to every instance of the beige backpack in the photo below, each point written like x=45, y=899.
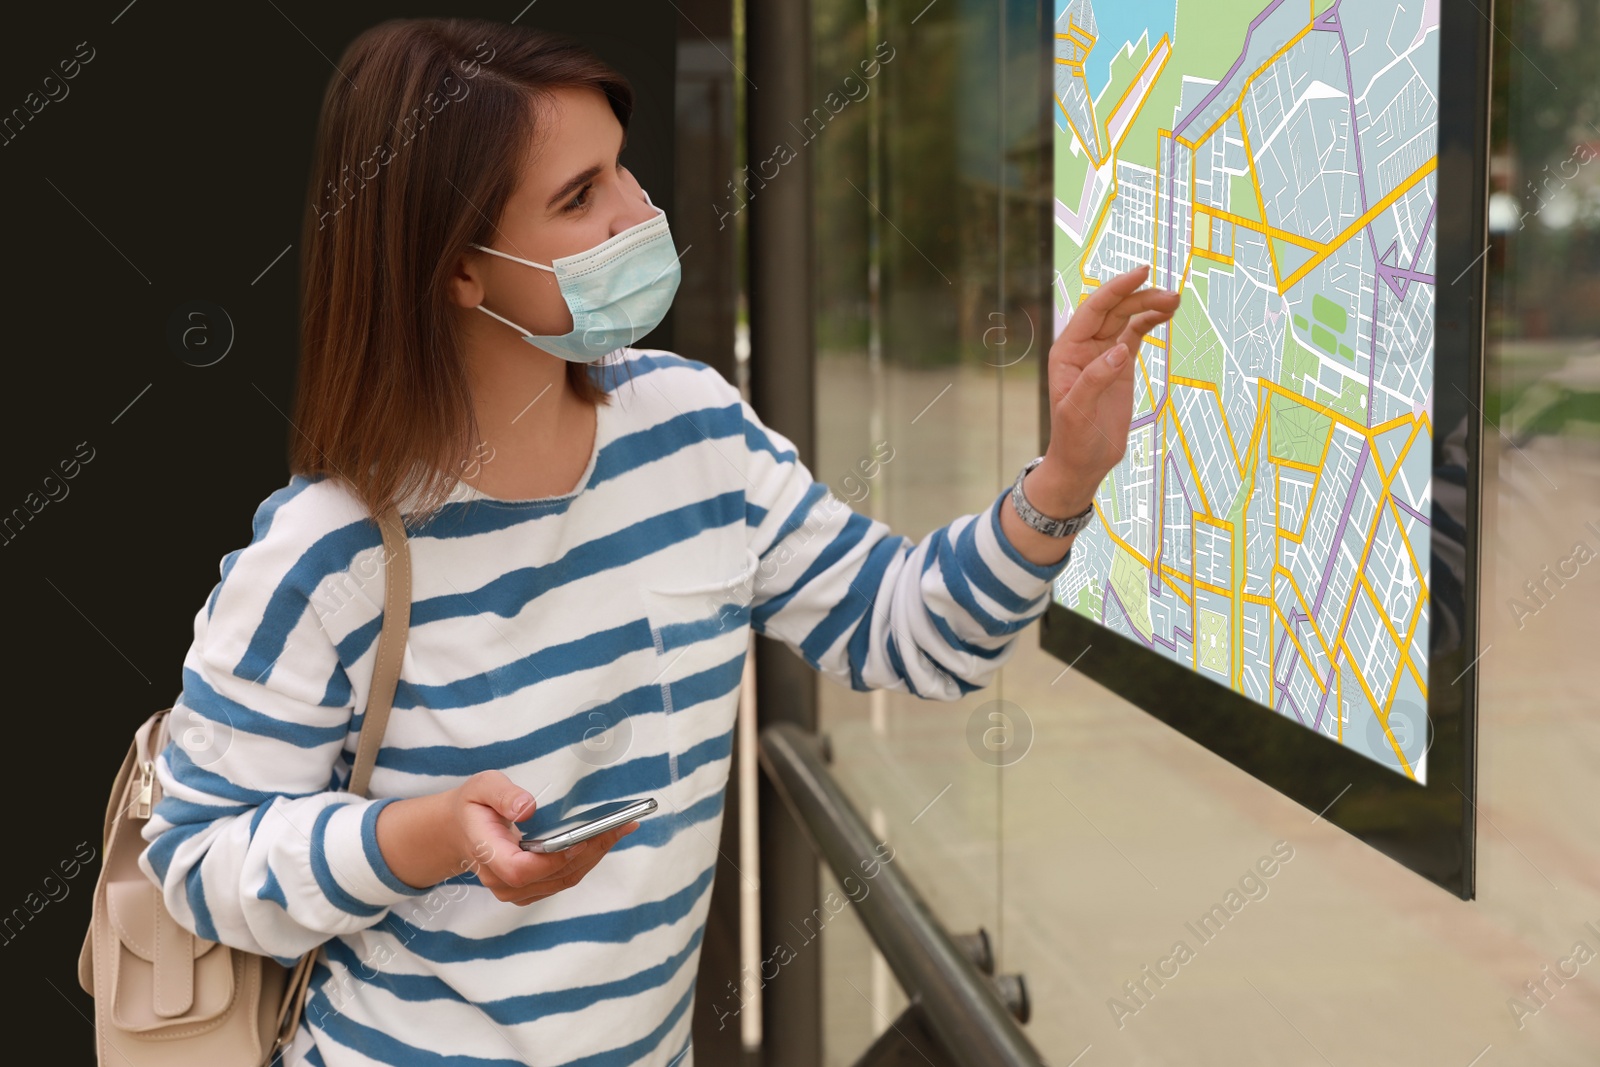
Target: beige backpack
x=162, y=995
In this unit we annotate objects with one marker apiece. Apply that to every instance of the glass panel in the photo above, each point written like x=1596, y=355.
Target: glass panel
x=1090, y=858
x=926, y=152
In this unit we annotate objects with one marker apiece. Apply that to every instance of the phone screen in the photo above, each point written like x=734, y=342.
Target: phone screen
x=582, y=825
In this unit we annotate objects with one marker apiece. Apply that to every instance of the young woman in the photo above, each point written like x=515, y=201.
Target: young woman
x=590, y=551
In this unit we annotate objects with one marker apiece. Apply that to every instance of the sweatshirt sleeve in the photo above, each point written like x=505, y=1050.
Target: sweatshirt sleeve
x=872, y=609
x=252, y=842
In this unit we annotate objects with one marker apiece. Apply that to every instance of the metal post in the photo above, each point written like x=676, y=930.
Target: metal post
x=782, y=389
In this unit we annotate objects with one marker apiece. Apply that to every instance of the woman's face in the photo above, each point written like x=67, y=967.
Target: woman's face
x=574, y=193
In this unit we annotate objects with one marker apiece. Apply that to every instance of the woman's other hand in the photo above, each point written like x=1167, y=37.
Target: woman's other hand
x=488, y=808
x=473, y=828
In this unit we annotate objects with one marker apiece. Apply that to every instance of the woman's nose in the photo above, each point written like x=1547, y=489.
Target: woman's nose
x=638, y=205
x=638, y=210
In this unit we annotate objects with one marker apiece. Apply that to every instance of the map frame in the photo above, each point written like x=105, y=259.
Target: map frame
x=1428, y=826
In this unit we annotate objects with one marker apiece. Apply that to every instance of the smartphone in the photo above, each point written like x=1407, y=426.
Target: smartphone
x=586, y=824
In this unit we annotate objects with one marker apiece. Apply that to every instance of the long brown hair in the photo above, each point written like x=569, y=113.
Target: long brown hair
x=420, y=144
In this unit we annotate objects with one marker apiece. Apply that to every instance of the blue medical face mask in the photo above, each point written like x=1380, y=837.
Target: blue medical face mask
x=617, y=291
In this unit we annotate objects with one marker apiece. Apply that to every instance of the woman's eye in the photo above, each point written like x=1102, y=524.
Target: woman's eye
x=580, y=200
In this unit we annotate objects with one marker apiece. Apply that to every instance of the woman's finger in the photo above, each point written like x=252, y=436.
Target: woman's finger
x=1084, y=396
x=1140, y=325
x=574, y=874
x=1135, y=304
x=1089, y=318
x=580, y=857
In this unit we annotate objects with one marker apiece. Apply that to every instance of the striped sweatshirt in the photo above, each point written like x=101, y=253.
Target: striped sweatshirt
x=588, y=645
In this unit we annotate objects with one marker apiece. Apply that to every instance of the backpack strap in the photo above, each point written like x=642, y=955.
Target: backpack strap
x=391, y=646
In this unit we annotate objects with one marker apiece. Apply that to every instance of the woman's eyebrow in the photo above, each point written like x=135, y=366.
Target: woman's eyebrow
x=573, y=184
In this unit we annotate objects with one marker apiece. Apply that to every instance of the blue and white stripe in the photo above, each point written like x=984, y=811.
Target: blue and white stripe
x=623, y=607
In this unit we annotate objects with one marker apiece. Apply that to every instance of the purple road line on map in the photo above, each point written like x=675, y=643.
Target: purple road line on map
x=1338, y=638
x=1244, y=52
x=1401, y=288
x=1183, y=485
x=1282, y=641
x=1338, y=533
x=1124, y=609
x=1327, y=687
x=1333, y=557
x=1409, y=510
x=1422, y=239
x=1372, y=355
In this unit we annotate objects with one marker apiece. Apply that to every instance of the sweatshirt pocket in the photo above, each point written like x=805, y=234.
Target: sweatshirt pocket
x=701, y=630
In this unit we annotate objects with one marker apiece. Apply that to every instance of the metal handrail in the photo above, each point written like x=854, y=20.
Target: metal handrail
x=961, y=1009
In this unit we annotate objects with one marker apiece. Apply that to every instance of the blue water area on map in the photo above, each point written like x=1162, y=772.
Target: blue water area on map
x=1118, y=22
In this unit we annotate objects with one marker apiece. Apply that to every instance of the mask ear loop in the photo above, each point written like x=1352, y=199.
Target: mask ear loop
x=503, y=319
x=515, y=259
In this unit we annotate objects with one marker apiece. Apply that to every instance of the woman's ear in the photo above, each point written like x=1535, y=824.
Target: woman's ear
x=465, y=285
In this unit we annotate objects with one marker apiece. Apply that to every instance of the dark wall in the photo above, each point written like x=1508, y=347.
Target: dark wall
x=173, y=170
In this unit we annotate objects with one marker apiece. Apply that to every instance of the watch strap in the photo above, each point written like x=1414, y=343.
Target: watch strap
x=1037, y=520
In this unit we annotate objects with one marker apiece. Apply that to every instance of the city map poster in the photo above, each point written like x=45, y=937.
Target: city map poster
x=1269, y=525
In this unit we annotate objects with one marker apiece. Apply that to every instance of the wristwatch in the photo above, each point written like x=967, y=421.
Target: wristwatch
x=1041, y=522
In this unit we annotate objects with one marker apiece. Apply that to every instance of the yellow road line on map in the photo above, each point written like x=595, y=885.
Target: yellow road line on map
x=1255, y=184
x=1416, y=567
x=1311, y=498
x=1355, y=594
x=1394, y=685
x=1194, y=620
x=1188, y=456
x=1288, y=631
x=1144, y=372
x=1106, y=526
x=1305, y=608
x=1392, y=424
x=1415, y=677
x=1096, y=159
x=1383, y=615
x=1241, y=555
x=1196, y=383
x=1182, y=595
x=1091, y=239
x=1259, y=227
x=1137, y=79
x=1336, y=416
x=1244, y=86
x=1356, y=227
x=1383, y=718
x=1260, y=426
x=1155, y=230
